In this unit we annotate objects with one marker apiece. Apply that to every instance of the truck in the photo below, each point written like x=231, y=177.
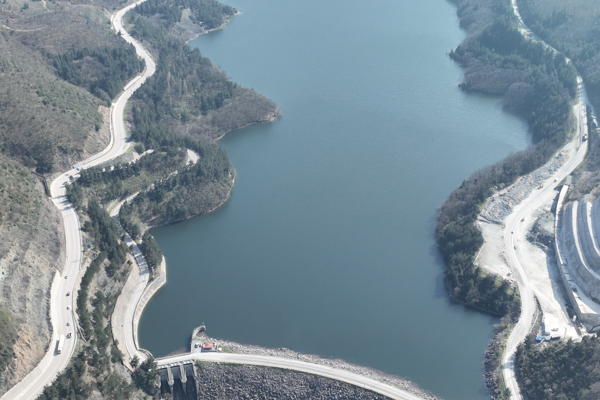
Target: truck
x=61, y=343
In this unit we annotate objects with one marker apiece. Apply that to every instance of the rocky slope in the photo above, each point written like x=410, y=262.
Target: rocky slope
x=31, y=250
x=220, y=381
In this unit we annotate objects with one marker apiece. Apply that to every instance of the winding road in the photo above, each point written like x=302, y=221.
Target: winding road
x=61, y=305
x=61, y=308
x=526, y=289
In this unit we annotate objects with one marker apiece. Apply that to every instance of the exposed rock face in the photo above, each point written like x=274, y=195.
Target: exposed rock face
x=221, y=381
x=30, y=254
x=31, y=251
x=542, y=232
x=490, y=362
x=501, y=204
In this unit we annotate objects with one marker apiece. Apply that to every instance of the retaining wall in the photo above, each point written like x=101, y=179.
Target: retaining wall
x=575, y=274
x=586, y=240
x=159, y=281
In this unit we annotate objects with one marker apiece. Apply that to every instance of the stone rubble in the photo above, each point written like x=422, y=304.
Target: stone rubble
x=501, y=204
x=542, y=232
x=226, y=381
x=490, y=363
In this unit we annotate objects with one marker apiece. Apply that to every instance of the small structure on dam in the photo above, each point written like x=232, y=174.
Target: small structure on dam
x=200, y=343
x=577, y=234
x=178, y=380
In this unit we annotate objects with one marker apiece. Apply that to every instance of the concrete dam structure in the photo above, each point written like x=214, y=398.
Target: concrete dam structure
x=577, y=233
x=178, y=382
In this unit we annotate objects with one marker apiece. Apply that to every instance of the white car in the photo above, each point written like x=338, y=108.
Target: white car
x=68, y=308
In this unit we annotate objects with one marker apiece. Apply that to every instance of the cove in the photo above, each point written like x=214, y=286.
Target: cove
x=327, y=243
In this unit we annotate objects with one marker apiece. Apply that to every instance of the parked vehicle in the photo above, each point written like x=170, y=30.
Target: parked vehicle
x=61, y=343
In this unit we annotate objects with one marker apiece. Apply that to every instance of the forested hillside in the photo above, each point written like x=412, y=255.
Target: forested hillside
x=559, y=371
x=60, y=65
x=209, y=14
x=572, y=28
x=170, y=116
x=534, y=83
x=541, y=88
x=188, y=95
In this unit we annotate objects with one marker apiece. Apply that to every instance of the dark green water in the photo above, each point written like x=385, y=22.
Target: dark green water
x=326, y=245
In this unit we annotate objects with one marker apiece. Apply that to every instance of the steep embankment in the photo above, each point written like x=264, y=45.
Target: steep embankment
x=46, y=123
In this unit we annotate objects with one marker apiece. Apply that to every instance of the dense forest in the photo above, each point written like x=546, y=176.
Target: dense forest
x=103, y=71
x=107, y=184
x=559, y=371
x=105, y=232
x=536, y=84
x=187, y=95
x=209, y=14
x=151, y=250
x=573, y=29
x=194, y=191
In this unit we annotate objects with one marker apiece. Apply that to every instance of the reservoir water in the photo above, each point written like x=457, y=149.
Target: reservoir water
x=327, y=244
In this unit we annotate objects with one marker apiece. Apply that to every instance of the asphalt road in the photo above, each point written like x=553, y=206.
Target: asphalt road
x=52, y=363
x=296, y=365
x=142, y=281
x=61, y=305
x=526, y=289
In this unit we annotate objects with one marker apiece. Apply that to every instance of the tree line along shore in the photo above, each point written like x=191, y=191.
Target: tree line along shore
x=186, y=105
x=63, y=66
x=540, y=87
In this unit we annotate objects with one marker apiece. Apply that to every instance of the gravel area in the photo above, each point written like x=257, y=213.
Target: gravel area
x=501, y=204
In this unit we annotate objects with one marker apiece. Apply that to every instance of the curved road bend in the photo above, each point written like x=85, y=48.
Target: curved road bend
x=52, y=363
x=296, y=365
x=526, y=289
